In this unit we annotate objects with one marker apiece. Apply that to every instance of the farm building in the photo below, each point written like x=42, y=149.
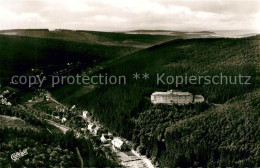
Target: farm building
x=175, y=97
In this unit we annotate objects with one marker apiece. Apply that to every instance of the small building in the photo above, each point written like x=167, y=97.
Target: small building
x=94, y=129
x=83, y=129
x=84, y=114
x=57, y=117
x=63, y=120
x=90, y=125
x=119, y=143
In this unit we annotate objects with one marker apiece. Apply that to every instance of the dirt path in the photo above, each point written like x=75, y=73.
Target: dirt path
x=63, y=128
x=80, y=158
x=11, y=118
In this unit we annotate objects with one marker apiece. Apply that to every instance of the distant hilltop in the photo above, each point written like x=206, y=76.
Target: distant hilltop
x=17, y=30
x=174, y=31
x=108, y=38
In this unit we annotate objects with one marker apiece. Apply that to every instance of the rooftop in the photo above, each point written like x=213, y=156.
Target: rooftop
x=199, y=96
x=173, y=93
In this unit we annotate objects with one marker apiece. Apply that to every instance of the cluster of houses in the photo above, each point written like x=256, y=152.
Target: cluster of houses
x=4, y=99
x=94, y=129
x=57, y=113
x=175, y=97
x=106, y=138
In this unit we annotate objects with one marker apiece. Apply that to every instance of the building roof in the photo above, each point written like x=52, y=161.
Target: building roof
x=172, y=92
x=199, y=96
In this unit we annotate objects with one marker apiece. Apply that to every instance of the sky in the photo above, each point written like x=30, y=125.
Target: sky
x=123, y=15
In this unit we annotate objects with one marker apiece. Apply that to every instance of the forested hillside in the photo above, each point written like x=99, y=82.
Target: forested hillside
x=216, y=137
x=46, y=145
x=119, y=107
x=21, y=54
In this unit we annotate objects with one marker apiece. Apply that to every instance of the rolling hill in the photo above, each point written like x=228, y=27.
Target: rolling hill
x=94, y=37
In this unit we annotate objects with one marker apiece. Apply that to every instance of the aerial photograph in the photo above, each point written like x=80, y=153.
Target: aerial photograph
x=129, y=83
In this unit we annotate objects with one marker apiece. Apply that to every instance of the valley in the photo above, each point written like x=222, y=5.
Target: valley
x=209, y=134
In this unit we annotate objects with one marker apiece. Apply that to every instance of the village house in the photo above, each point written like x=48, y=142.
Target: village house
x=119, y=143
x=84, y=114
x=105, y=138
x=90, y=125
x=63, y=120
x=175, y=97
x=5, y=92
x=94, y=129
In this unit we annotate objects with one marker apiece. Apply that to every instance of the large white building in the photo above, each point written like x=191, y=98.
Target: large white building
x=174, y=97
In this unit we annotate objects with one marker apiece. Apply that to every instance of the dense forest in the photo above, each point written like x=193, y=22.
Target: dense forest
x=223, y=131
x=20, y=54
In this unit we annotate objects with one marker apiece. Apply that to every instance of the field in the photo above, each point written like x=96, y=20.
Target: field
x=13, y=122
